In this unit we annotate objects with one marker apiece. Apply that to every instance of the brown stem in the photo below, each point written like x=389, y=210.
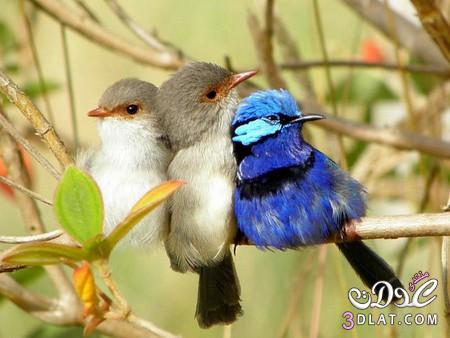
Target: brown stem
x=435, y=24
x=43, y=128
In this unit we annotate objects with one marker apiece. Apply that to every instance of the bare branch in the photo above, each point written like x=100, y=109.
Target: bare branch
x=385, y=136
x=33, y=238
x=418, y=225
x=435, y=24
x=431, y=70
x=44, y=129
x=11, y=130
x=73, y=115
x=291, y=55
x=37, y=63
x=263, y=44
x=97, y=33
x=145, y=36
x=411, y=37
x=26, y=191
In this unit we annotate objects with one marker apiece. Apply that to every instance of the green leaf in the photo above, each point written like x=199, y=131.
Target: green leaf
x=36, y=254
x=146, y=204
x=78, y=205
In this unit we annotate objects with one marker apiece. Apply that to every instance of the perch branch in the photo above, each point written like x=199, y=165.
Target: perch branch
x=46, y=236
x=93, y=31
x=435, y=24
x=388, y=227
x=411, y=37
x=25, y=190
x=423, y=69
x=44, y=129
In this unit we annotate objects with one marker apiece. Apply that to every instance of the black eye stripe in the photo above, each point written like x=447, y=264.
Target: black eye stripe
x=284, y=119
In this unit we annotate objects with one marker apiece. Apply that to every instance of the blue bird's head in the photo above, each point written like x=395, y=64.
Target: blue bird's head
x=265, y=113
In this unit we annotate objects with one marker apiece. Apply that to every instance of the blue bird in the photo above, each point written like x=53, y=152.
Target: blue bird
x=289, y=194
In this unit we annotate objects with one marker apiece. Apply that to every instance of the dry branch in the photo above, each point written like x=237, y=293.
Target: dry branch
x=262, y=39
x=25, y=190
x=411, y=37
x=93, y=31
x=33, y=238
x=43, y=128
x=431, y=70
x=435, y=24
x=388, y=227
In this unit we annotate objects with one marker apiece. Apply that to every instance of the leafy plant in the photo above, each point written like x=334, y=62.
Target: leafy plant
x=78, y=206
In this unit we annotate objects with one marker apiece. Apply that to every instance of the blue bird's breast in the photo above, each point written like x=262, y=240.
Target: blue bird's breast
x=289, y=194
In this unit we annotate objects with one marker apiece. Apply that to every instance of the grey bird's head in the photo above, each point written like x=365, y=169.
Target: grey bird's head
x=126, y=110
x=198, y=100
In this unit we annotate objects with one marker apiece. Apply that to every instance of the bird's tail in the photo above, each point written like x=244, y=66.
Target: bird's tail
x=370, y=267
x=218, y=294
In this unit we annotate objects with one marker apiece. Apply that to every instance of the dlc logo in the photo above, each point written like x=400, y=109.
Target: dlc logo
x=420, y=297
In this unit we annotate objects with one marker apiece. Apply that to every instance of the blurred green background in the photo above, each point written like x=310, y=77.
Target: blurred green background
x=275, y=285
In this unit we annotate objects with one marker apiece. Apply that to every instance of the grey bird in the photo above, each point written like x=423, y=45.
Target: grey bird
x=196, y=107
x=132, y=158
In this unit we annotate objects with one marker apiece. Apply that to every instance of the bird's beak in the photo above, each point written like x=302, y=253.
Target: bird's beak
x=307, y=118
x=241, y=77
x=99, y=112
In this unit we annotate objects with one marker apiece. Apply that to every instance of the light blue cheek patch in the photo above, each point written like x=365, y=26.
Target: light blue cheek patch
x=253, y=131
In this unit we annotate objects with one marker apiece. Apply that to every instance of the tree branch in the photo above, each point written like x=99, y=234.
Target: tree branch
x=431, y=70
x=11, y=130
x=388, y=227
x=262, y=39
x=435, y=24
x=93, y=31
x=43, y=128
x=411, y=37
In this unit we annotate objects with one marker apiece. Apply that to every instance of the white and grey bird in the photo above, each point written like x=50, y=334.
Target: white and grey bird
x=131, y=159
x=196, y=107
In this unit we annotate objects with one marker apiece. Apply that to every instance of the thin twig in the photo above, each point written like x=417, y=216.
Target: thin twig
x=318, y=291
x=111, y=285
x=32, y=216
x=149, y=326
x=145, y=36
x=87, y=10
x=291, y=54
x=421, y=69
x=95, y=32
x=73, y=116
x=33, y=238
x=262, y=40
x=26, y=191
x=296, y=293
x=11, y=130
x=445, y=261
x=37, y=63
x=43, y=128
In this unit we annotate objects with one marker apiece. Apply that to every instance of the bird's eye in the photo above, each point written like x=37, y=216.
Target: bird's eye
x=211, y=94
x=132, y=109
x=272, y=118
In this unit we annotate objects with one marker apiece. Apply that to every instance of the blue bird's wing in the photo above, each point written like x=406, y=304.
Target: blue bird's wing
x=299, y=205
